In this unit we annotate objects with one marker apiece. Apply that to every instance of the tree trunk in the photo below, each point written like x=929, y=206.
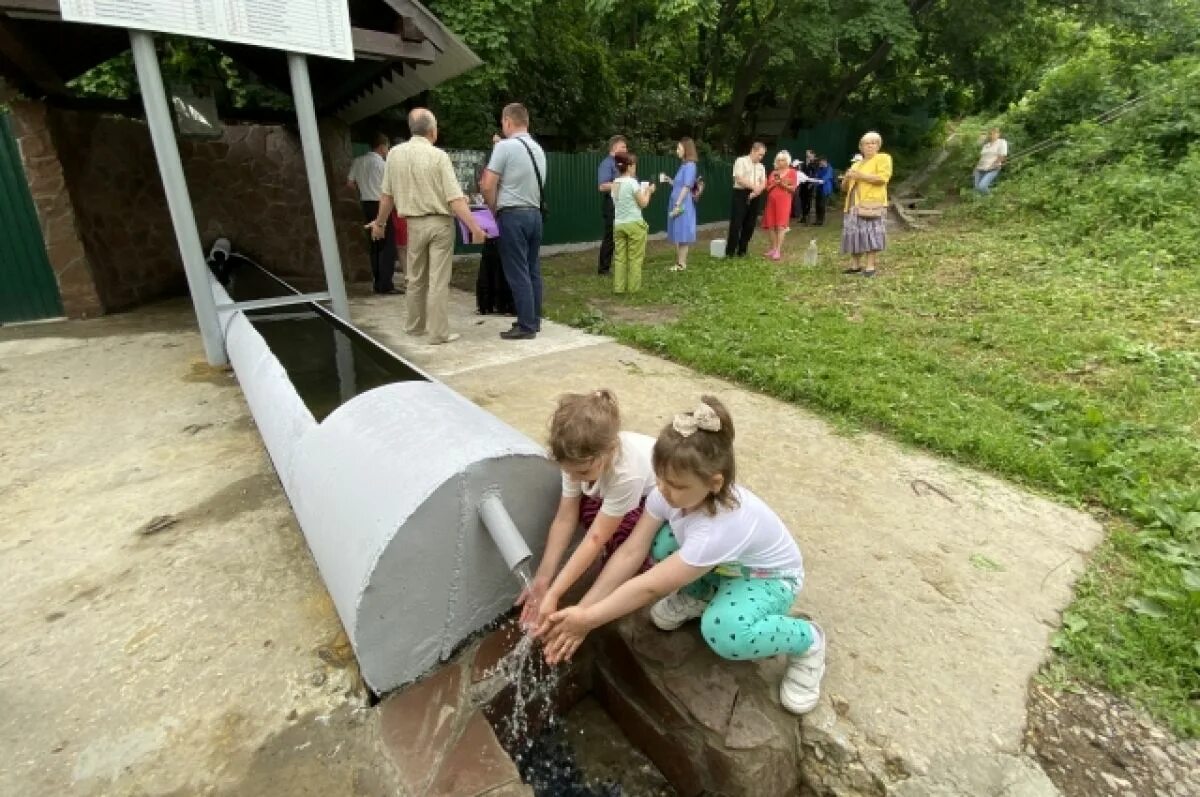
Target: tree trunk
x=748, y=71
x=853, y=80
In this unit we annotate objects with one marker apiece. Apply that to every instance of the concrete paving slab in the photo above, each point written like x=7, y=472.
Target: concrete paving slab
x=480, y=344
x=939, y=586
x=164, y=629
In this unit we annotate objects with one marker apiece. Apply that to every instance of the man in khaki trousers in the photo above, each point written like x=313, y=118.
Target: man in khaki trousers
x=420, y=183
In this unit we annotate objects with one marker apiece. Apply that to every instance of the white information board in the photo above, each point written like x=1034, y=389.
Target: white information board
x=315, y=27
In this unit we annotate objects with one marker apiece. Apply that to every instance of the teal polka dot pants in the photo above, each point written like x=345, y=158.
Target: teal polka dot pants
x=746, y=618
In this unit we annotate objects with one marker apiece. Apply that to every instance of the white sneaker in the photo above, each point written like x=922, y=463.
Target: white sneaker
x=675, y=610
x=801, y=687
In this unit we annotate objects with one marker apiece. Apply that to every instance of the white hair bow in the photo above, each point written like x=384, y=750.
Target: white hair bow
x=703, y=417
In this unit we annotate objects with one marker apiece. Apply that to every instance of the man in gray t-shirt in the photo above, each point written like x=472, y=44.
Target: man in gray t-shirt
x=511, y=187
x=512, y=162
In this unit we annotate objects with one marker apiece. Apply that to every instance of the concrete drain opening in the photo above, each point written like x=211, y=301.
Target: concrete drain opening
x=639, y=712
x=418, y=572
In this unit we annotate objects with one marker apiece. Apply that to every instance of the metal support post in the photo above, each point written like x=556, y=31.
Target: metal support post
x=314, y=164
x=158, y=118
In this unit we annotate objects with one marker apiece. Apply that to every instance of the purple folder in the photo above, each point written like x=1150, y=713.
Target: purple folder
x=485, y=219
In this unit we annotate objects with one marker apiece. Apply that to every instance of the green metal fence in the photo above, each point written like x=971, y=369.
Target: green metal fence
x=837, y=140
x=28, y=290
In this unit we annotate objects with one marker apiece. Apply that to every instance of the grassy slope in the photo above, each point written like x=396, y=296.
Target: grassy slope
x=988, y=346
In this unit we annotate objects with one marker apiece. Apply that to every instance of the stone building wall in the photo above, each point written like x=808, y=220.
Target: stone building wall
x=64, y=244
x=104, y=216
x=249, y=186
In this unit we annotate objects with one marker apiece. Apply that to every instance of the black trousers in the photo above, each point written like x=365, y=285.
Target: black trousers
x=806, y=200
x=608, y=212
x=383, y=252
x=743, y=215
x=819, y=202
x=492, y=294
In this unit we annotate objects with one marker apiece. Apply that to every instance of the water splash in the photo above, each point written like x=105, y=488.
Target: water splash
x=532, y=730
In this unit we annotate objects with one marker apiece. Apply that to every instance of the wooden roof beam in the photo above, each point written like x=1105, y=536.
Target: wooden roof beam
x=40, y=8
x=378, y=46
x=409, y=9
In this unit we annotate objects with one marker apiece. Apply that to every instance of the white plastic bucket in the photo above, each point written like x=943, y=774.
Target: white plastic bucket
x=716, y=247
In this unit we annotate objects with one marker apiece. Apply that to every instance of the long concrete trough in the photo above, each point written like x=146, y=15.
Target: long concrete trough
x=388, y=490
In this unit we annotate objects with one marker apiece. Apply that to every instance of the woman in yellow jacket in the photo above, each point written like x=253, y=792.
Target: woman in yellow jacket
x=864, y=230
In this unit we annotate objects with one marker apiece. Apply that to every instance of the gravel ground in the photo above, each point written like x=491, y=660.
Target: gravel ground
x=1093, y=745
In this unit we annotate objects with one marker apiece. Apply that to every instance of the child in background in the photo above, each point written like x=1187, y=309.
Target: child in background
x=606, y=474
x=629, y=228
x=724, y=557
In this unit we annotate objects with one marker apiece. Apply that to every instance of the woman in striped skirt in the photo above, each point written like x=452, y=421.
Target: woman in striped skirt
x=864, y=230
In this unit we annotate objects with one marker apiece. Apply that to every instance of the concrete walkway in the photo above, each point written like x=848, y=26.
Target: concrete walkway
x=939, y=587
x=165, y=631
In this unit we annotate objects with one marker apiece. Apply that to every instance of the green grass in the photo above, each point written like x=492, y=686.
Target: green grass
x=995, y=349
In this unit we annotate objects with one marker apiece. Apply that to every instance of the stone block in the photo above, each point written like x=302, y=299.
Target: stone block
x=615, y=658
x=418, y=724
x=762, y=771
x=828, y=735
x=751, y=725
x=667, y=648
x=707, y=692
x=676, y=755
x=475, y=765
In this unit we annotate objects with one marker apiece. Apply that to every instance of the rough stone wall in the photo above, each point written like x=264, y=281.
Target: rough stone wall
x=64, y=244
x=249, y=186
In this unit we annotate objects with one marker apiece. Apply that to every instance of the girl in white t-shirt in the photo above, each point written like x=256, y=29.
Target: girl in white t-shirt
x=606, y=475
x=723, y=556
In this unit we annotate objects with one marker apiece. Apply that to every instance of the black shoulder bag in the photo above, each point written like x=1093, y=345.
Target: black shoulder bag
x=541, y=183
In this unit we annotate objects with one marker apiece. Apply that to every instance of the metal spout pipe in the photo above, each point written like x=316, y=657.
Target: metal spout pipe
x=504, y=532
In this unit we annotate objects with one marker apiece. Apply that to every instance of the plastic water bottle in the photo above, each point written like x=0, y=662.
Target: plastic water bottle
x=810, y=254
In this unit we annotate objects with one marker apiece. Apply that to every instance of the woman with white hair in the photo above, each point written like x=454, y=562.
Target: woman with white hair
x=865, y=209
x=781, y=184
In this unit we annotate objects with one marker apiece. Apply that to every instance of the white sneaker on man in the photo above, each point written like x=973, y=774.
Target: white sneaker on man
x=675, y=610
x=801, y=687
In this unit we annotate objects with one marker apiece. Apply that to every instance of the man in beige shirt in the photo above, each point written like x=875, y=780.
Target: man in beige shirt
x=749, y=181
x=421, y=185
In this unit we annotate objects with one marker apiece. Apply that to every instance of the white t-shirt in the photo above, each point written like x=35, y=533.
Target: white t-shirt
x=749, y=541
x=623, y=485
x=367, y=173
x=991, y=152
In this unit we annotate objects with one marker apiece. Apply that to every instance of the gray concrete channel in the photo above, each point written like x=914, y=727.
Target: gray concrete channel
x=413, y=572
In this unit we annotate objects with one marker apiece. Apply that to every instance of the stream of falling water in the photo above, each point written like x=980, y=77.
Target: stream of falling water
x=532, y=732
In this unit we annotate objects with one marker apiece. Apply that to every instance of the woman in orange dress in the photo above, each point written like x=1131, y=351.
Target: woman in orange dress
x=781, y=184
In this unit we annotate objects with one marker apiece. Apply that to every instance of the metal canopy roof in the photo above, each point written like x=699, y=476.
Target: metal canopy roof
x=401, y=49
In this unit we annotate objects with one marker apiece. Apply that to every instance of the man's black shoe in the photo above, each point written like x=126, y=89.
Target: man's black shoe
x=516, y=333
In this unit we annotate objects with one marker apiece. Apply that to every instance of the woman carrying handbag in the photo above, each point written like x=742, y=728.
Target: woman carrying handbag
x=864, y=230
